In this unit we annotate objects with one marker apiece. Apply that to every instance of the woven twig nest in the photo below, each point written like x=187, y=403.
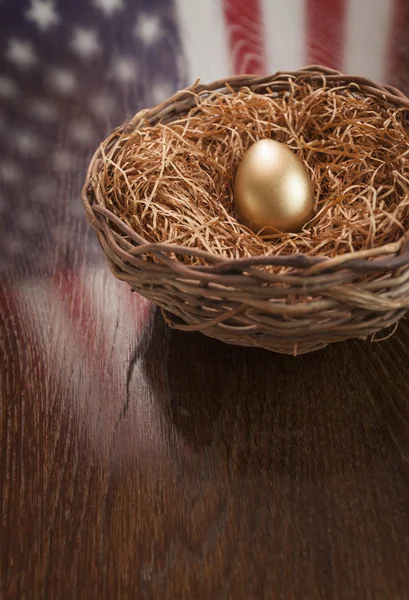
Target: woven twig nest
x=159, y=196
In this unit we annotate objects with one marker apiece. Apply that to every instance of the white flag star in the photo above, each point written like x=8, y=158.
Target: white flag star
x=62, y=80
x=63, y=160
x=82, y=132
x=102, y=105
x=147, y=28
x=44, y=190
x=124, y=70
x=10, y=172
x=25, y=142
x=8, y=88
x=27, y=221
x=108, y=7
x=43, y=110
x=161, y=91
x=43, y=14
x=85, y=42
x=21, y=53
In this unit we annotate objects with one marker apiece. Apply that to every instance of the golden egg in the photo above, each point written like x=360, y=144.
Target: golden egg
x=272, y=189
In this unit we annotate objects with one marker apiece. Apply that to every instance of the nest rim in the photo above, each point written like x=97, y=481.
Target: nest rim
x=359, y=259
x=337, y=271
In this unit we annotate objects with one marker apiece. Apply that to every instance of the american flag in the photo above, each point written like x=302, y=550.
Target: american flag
x=71, y=70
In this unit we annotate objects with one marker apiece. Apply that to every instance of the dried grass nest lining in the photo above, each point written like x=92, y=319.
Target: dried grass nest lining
x=173, y=183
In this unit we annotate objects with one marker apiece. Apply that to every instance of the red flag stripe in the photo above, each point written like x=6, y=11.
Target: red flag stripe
x=398, y=54
x=326, y=32
x=100, y=323
x=98, y=314
x=245, y=35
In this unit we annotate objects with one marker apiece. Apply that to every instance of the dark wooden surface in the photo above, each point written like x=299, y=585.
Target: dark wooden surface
x=191, y=469
x=137, y=462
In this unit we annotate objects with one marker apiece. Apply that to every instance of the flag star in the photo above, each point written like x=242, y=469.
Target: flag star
x=8, y=88
x=147, y=28
x=21, y=53
x=26, y=220
x=108, y=7
x=161, y=91
x=26, y=142
x=62, y=81
x=44, y=190
x=85, y=42
x=43, y=14
x=82, y=132
x=63, y=160
x=124, y=70
x=102, y=105
x=43, y=110
x=10, y=172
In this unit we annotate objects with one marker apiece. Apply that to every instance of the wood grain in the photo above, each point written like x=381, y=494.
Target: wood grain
x=138, y=462
x=216, y=472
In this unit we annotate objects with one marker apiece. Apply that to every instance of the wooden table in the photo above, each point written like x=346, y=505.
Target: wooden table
x=138, y=462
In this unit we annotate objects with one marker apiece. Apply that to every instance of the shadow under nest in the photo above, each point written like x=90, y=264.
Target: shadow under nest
x=263, y=411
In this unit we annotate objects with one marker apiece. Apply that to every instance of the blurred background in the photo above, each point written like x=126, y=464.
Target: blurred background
x=71, y=70
x=132, y=455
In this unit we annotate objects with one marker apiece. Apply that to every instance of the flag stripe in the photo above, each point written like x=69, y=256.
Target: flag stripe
x=326, y=32
x=367, y=35
x=204, y=41
x=397, y=57
x=85, y=322
x=245, y=34
x=284, y=31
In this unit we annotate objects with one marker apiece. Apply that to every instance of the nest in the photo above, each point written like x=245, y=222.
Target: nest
x=159, y=193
